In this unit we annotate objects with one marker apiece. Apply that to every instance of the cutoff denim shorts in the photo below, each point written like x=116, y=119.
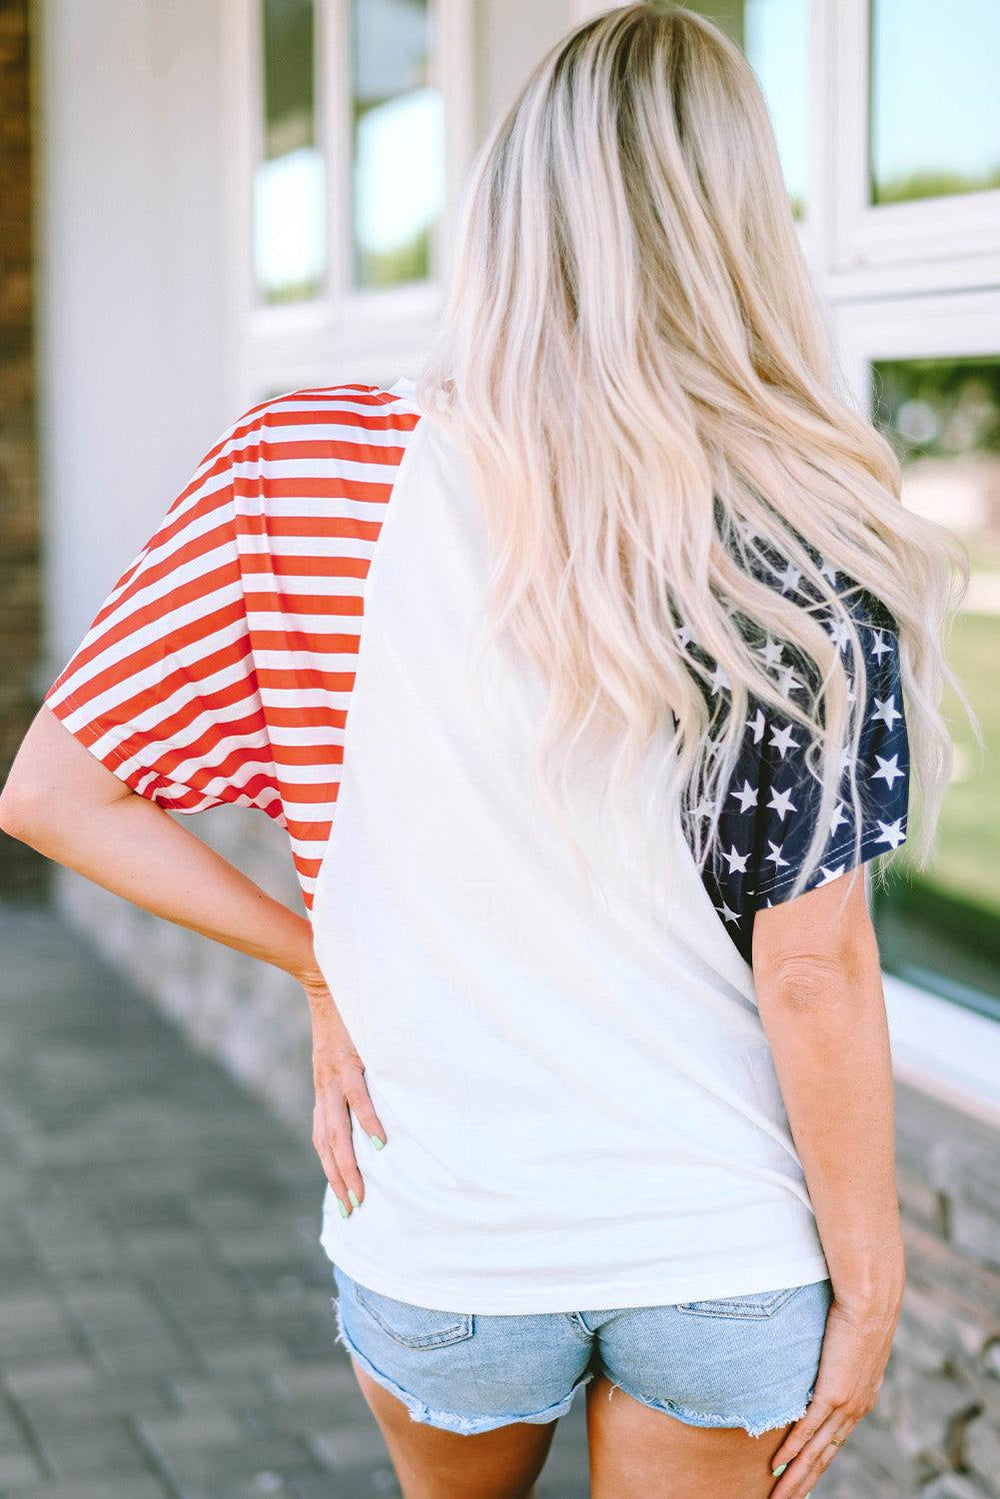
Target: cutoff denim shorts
x=748, y=1361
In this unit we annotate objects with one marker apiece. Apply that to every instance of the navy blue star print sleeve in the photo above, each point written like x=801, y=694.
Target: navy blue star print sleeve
x=770, y=804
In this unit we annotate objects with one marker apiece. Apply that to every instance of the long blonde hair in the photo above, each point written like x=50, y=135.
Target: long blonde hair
x=634, y=360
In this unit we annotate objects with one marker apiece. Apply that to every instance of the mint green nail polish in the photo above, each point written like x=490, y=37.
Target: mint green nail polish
x=343, y=1210
x=777, y=1472
x=354, y=1197
x=378, y=1144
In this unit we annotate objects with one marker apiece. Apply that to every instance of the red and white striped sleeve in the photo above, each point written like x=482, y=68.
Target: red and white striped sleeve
x=163, y=688
x=221, y=666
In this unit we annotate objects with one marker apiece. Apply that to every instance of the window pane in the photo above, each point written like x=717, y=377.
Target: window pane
x=398, y=130
x=774, y=35
x=935, y=125
x=776, y=42
x=290, y=182
x=943, y=417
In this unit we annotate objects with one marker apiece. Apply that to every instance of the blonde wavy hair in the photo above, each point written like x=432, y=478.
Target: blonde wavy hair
x=634, y=361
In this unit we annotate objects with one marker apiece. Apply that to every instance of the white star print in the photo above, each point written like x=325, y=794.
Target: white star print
x=838, y=817
x=771, y=653
x=829, y=571
x=782, y=802
x=790, y=578
x=782, y=740
x=887, y=710
x=747, y=798
x=719, y=679
x=684, y=635
x=705, y=809
x=888, y=770
x=839, y=632
x=789, y=682
x=767, y=846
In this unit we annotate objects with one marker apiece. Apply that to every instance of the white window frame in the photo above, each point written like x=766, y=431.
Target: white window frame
x=938, y=1046
x=931, y=243
x=962, y=324
x=344, y=331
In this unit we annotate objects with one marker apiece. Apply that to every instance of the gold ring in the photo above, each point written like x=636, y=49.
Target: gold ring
x=838, y=1441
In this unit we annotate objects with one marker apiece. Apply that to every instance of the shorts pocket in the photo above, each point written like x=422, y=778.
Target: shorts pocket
x=758, y=1304
x=413, y=1326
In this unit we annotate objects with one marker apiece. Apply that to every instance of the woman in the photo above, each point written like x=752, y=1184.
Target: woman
x=575, y=671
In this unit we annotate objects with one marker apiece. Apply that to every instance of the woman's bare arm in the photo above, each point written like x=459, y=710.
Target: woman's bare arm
x=819, y=991
x=71, y=808
x=63, y=802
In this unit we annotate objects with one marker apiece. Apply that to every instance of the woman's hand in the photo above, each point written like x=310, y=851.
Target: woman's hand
x=856, y=1346
x=339, y=1080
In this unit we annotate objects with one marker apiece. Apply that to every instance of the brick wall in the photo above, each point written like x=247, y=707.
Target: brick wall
x=22, y=872
x=936, y=1431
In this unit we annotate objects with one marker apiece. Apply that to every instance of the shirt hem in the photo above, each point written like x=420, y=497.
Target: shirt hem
x=567, y=1295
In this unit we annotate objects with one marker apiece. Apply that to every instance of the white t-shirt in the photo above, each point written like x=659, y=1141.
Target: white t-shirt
x=580, y=1102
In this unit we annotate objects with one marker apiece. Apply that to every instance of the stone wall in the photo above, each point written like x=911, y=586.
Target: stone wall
x=936, y=1430
x=252, y=1017
x=22, y=872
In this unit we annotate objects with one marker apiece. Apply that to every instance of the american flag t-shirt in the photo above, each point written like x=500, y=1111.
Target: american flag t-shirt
x=293, y=638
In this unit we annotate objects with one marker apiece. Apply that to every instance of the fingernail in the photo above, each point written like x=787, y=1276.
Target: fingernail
x=343, y=1211
x=777, y=1472
x=378, y=1144
x=354, y=1197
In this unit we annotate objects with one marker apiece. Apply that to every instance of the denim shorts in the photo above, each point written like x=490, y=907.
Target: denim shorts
x=748, y=1361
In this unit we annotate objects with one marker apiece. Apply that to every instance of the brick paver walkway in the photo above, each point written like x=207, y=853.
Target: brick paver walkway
x=166, y=1330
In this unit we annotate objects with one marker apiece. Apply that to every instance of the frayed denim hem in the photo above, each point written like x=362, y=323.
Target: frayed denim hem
x=713, y=1420
x=447, y=1420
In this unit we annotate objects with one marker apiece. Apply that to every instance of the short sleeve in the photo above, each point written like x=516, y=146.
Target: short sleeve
x=771, y=802
x=162, y=688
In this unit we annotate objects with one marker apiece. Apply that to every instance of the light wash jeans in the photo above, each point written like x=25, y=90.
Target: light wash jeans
x=747, y=1361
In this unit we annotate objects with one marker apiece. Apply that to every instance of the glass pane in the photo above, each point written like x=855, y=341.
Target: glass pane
x=774, y=35
x=776, y=42
x=290, y=181
x=935, y=125
x=398, y=141
x=943, y=416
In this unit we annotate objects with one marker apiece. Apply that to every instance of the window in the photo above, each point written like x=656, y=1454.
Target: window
x=289, y=231
x=774, y=35
x=943, y=416
x=934, y=121
x=397, y=164
x=776, y=42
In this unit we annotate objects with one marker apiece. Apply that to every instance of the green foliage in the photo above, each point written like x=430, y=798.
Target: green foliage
x=916, y=185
